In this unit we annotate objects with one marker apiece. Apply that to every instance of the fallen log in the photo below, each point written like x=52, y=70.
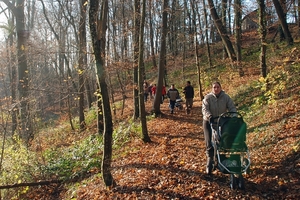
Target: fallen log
x=29, y=184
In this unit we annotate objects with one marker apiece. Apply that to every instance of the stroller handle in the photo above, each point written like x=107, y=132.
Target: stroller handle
x=226, y=114
x=231, y=114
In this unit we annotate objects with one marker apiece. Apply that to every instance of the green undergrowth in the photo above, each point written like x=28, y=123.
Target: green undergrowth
x=60, y=159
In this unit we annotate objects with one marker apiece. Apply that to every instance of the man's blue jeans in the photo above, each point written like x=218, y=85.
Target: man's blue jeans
x=172, y=104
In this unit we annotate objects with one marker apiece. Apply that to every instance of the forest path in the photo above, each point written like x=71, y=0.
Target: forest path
x=172, y=166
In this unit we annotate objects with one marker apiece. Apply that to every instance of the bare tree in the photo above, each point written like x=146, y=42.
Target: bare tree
x=98, y=34
x=151, y=31
x=162, y=59
x=263, y=32
x=282, y=18
x=23, y=73
x=238, y=33
x=197, y=56
x=222, y=31
x=141, y=70
x=82, y=61
x=137, y=18
x=206, y=33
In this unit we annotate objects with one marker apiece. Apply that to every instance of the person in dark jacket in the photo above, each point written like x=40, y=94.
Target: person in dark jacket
x=172, y=94
x=213, y=105
x=189, y=96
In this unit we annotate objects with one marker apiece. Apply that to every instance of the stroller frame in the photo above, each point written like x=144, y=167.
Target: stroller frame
x=231, y=154
x=178, y=104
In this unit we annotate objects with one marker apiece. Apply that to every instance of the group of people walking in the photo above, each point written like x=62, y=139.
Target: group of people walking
x=150, y=91
x=172, y=94
x=213, y=105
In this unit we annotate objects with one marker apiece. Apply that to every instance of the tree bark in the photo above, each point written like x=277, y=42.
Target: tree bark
x=23, y=73
x=263, y=32
x=29, y=184
x=223, y=19
x=151, y=31
x=222, y=31
x=284, y=25
x=162, y=60
x=146, y=137
x=206, y=33
x=82, y=62
x=98, y=35
x=238, y=33
x=196, y=44
x=137, y=14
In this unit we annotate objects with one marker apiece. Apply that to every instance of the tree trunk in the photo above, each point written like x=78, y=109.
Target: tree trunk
x=224, y=21
x=82, y=62
x=23, y=73
x=11, y=59
x=238, y=33
x=152, y=36
x=284, y=25
x=98, y=35
x=222, y=31
x=162, y=60
x=262, y=31
x=206, y=33
x=137, y=14
x=197, y=55
x=298, y=17
x=146, y=137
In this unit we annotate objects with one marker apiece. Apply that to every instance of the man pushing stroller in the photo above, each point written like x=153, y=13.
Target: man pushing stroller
x=213, y=105
x=172, y=94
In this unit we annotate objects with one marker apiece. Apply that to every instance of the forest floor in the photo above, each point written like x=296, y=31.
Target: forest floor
x=172, y=166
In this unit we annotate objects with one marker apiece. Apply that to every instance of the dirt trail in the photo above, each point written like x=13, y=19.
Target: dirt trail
x=171, y=167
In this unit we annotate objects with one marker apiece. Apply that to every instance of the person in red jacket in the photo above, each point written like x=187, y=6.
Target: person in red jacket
x=153, y=89
x=163, y=93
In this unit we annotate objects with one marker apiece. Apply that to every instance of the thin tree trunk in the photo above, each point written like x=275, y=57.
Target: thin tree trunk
x=238, y=32
x=82, y=62
x=197, y=54
x=206, y=33
x=298, y=16
x=152, y=36
x=146, y=137
x=224, y=22
x=11, y=59
x=26, y=129
x=137, y=14
x=262, y=31
x=162, y=60
x=282, y=19
x=98, y=35
x=222, y=31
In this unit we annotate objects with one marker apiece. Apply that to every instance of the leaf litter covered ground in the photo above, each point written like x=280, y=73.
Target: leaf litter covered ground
x=172, y=166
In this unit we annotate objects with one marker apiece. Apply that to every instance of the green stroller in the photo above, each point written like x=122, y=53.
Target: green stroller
x=231, y=154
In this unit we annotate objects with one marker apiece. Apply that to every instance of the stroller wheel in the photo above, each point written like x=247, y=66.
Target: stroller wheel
x=241, y=182
x=233, y=181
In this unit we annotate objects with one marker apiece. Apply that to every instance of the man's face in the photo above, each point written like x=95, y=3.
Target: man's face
x=216, y=89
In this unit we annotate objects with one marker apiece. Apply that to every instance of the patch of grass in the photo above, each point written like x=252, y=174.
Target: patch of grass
x=74, y=161
x=91, y=115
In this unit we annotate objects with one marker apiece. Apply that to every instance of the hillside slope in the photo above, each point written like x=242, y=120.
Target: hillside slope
x=172, y=166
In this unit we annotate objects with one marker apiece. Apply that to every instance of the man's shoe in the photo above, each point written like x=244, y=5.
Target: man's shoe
x=188, y=111
x=172, y=111
x=208, y=170
x=209, y=166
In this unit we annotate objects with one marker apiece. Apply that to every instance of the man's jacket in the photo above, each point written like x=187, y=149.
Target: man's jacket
x=215, y=106
x=173, y=94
